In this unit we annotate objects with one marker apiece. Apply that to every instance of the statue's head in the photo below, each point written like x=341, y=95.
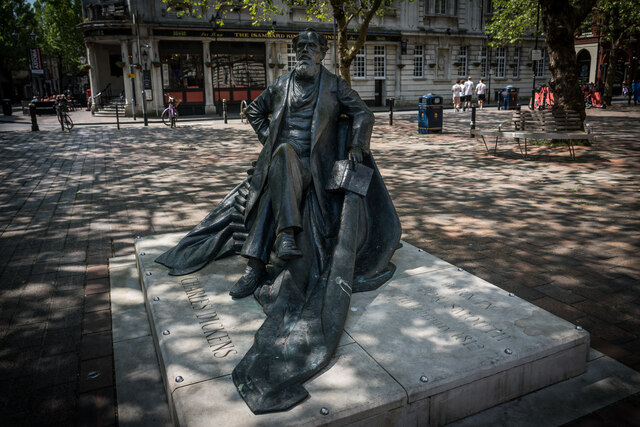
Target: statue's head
x=310, y=47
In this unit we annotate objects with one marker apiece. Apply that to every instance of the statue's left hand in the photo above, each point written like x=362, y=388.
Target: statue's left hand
x=355, y=154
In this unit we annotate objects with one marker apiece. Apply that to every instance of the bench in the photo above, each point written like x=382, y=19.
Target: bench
x=547, y=124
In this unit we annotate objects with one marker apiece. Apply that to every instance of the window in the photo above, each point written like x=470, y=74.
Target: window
x=359, y=64
x=291, y=57
x=185, y=64
x=379, y=62
x=440, y=7
x=418, y=61
x=541, y=66
x=516, y=62
x=501, y=59
x=483, y=62
x=462, y=61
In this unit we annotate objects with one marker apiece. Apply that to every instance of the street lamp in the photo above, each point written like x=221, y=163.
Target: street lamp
x=535, y=62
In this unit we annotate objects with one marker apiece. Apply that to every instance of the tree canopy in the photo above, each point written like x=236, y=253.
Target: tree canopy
x=18, y=21
x=58, y=20
x=615, y=21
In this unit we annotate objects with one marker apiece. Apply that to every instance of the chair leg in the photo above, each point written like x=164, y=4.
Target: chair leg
x=495, y=148
x=572, y=150
x=485, y=144
x=520, y=147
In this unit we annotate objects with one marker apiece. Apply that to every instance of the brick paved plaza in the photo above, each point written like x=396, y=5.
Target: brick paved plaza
x=564, y=235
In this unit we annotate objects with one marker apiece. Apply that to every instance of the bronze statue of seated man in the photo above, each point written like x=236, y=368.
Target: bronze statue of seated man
x=308, y=246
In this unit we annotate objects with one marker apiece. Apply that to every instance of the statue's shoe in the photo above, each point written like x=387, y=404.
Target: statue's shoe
x=250, y=280
x=286, y=247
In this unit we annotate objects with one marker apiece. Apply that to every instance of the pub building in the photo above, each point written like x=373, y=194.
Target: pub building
x=143, y=46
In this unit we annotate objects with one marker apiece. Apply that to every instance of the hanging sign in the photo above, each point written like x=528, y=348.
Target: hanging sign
x=536, y=54
x=35, y=62
x=165, y=75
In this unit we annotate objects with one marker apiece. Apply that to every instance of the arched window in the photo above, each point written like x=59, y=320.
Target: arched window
x=584, y=66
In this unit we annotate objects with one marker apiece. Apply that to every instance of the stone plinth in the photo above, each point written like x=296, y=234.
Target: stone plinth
x=431, y=346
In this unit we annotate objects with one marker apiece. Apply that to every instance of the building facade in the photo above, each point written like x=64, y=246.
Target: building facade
x=592, y=54
x=141, y=46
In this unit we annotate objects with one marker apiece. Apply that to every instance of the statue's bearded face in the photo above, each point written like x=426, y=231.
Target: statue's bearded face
x=309, y=56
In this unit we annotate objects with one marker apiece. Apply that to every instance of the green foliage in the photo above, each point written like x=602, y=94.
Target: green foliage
x=617, y=19
x=58, y=20
x=512, y=20
x=17, y=20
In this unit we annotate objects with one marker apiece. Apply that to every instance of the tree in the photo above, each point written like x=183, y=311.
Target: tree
x=615, y=20
x=58, y=19
x=357, y=13
x=561, y=19
x=17, y=20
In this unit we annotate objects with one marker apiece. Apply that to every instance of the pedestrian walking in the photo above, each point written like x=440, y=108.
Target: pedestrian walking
x=481, y=90
x=467, y=93
x=456, y=91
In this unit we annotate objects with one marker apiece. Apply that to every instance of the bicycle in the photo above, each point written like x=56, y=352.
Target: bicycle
x=170, y=114
x=63, y=118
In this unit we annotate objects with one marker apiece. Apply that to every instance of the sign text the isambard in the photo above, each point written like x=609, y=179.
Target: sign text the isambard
x=263, y=34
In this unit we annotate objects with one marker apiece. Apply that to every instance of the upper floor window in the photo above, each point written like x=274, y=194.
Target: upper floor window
x=484, y=61
x=418, y=61
x=501, y=59
x=516, y=62
x=291, y=57
x=358, y=67
x=379, y=59
x=440, y=7
x=463, y=61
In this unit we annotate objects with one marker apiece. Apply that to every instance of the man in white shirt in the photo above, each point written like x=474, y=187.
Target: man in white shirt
x=467, y=93
x=481, y=90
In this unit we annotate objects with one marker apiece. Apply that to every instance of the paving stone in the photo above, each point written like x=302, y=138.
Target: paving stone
x=96, y=374
x=97, y=286
x=97, y=302
x=57, y=369
x=97, y=321
x=96, y=408
x=96, y=345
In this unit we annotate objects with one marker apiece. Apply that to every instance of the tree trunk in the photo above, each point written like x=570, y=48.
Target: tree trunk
x=611, y=71
x=561, y=19
x=346, y=53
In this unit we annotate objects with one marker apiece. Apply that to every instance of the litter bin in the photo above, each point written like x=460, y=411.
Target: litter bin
x=430, y=114
x=508, y=98
x=6, y=107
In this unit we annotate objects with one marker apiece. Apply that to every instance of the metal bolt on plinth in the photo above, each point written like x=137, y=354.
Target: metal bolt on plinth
x=324, y=411
x=179, y=379
x=424, y=379
x=156, y=298
x=166, y=332
x=508, y=351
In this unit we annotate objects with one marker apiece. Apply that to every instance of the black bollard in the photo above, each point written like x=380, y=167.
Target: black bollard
x=473, y=119
x=34, y=119
x=391, y=103
x=117, y=116
x=224, y=110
